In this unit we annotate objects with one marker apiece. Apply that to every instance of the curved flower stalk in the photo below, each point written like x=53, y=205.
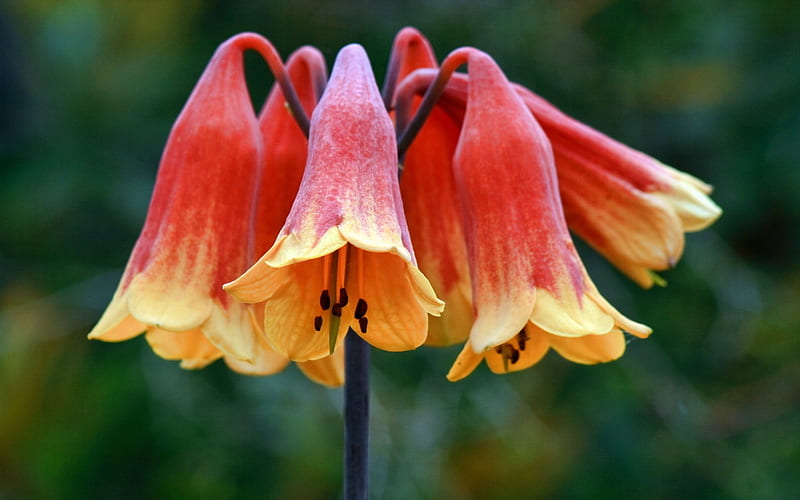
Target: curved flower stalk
x=196, y=234
x=285, y=146
x=628, y=206
x=528, y=283
x=428, y=187
x=343, y=260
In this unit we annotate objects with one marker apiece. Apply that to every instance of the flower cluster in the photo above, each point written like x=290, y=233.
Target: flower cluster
x=270, y=236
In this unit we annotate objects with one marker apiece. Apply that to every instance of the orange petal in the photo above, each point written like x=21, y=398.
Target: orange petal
x=328, y=371
x=190, y=346
x=289, y=313
x=197, y=231
x=589, y=349
x=398, y=321
x=173, y=292
x=465, y=363
x=530, y=352
x=116, y=324
x=265, y=362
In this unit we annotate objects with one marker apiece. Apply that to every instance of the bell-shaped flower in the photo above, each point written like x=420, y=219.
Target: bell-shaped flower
x=197, y=231
x=631, y=208
x=628, y=206
x=284, y=154
x=428, y=187
x=343, y=260
x=528, y=283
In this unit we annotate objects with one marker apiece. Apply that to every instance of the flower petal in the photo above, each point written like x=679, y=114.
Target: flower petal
x=688, y=196
x=265, y=362
x=290, y=311
x=434, y=222
x=530, y=352
x=116, y=324
x=191, y=347
x=197, y=232
x=465, y=363
x=522, y=260
x=328, y=371
x=589, y=349
x=611, y=192
x=172, y=292
x=397, y=308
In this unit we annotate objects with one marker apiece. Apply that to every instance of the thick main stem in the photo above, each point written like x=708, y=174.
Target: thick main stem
x=356, y=416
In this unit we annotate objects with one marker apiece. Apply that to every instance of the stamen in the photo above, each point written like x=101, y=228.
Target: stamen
x=361, y=309
x=318, y=323
x=509, y=353
x=522, y=339
x=325, y=300
x=362, y=324
x=343, y=299
x=336, y=310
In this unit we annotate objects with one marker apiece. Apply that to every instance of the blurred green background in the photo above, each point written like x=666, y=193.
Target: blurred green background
x=709, y=407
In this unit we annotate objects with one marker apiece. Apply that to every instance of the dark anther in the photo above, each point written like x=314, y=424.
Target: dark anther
x=325, y=300
x=514, y=355
x=522, y=338
x=318, y=323
x=336, y=309
x=361, y=308
x=362, y=324
x=508, y=352
x=343, y=297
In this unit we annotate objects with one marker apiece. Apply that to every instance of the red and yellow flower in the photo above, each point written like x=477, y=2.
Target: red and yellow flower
x=197, y=233
x=528, y=282
x=491, y=185
x=343, y=260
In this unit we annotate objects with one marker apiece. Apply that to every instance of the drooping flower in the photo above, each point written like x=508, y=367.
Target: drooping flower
x=528, y=283
x=285, y=154
x=343, y=260
x=196, y=235
x=431, y=202
x=482, y=198
x=628, y=206
x=631, y=208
